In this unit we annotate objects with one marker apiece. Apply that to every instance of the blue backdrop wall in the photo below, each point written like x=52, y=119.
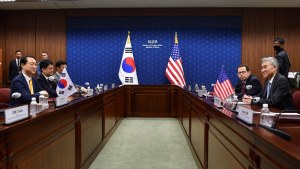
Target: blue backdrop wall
x=95, y=47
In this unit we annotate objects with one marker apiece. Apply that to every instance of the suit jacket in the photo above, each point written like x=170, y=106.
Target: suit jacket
x=254, y=91
x=13, y=70
x=50, y=86
x=56, y=77
x=20, y=85
x=284, y=62
x=280, y=95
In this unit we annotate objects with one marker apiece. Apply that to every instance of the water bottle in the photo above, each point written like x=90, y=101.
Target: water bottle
x=204, y=91
x=266, y=118
x=33, y=107
x=189, y=88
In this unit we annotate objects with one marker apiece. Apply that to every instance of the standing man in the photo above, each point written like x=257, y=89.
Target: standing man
x=25, y=83
x=277, y=89
x=248, y=84
x=14, y=65
x=45, y=80
x=44, y=56
x=282, y=57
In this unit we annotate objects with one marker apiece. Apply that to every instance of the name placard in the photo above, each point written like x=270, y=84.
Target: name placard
x=245, y=114
x=61, y=101
x=16, y=114
x=217, y=101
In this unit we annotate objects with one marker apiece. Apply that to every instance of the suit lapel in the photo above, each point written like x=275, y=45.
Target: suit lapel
x=273, y=84
x=25, y=82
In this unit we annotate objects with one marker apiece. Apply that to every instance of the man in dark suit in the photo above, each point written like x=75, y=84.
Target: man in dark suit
x=277, y=89
x=14, y=65
x=25, y=83
x=38, y=68
x=282, y=57
x=45, y=79
x=248, y=84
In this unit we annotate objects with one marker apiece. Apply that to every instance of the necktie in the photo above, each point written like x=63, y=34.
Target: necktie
x=31, y=87
x=18, y=64
x=49, y=83
x=243, y=88
x=268, y=89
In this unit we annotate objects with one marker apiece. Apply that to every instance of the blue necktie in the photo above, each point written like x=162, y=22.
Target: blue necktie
x=268, y=89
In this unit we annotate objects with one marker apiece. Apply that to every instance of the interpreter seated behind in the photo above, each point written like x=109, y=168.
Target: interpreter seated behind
x=45, y=79
x=276, y=91
x=248, y=84
x=60, y=66
x=25, y=83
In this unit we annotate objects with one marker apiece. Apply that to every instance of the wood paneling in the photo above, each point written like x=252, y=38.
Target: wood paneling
x=51, y=34
x=33, y=31
x=156, y=12
x=2, y=47
x=109, y=112
x=219, y=156
x=20, y=34
x=150, y=102
x=287, y=26
x=1, y=67
x=257, y=37
x=90, y=128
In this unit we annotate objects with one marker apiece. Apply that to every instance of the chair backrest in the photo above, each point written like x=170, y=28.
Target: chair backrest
x=4, y=97
x=296, y=99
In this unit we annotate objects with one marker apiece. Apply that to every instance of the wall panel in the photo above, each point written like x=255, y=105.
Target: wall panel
x=2, y=47
x=51, y=34
x=287, y=26
x=257, y=37
x=33, y=31
x=20, y=34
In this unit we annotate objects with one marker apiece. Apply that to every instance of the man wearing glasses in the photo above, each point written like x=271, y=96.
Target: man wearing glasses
x=25, y=83
x=45, y=79
x=248, y=84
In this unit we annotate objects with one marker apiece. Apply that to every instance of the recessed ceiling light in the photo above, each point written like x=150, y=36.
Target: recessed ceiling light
x=7, y=0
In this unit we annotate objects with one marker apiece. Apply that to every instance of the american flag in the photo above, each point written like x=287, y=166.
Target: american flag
x=174, y=70
x=223, y=87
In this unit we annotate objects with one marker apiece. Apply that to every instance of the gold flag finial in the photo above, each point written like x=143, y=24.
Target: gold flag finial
x=176, y=39
x=128, y=37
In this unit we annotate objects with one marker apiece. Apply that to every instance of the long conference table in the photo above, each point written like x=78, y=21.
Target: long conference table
x=71, y=137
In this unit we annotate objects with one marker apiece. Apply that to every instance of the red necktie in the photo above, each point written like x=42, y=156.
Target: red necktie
x=243, y=88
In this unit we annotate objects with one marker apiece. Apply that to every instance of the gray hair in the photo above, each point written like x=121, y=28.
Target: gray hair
x=272, y=60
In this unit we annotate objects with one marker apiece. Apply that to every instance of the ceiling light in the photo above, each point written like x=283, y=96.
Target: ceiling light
x=7, y=0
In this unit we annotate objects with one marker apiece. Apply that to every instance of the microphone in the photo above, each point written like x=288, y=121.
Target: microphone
x=16, y=95
x=51, y=78
x=248, y=87
x=275, y=131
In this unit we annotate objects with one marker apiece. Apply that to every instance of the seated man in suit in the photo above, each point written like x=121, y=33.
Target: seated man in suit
x=60, y=66
x=277, y=88
x=45, y=80
x=248, y=84
x=25, y=83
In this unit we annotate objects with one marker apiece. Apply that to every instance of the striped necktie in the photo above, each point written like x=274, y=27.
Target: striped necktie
x=31, y=87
